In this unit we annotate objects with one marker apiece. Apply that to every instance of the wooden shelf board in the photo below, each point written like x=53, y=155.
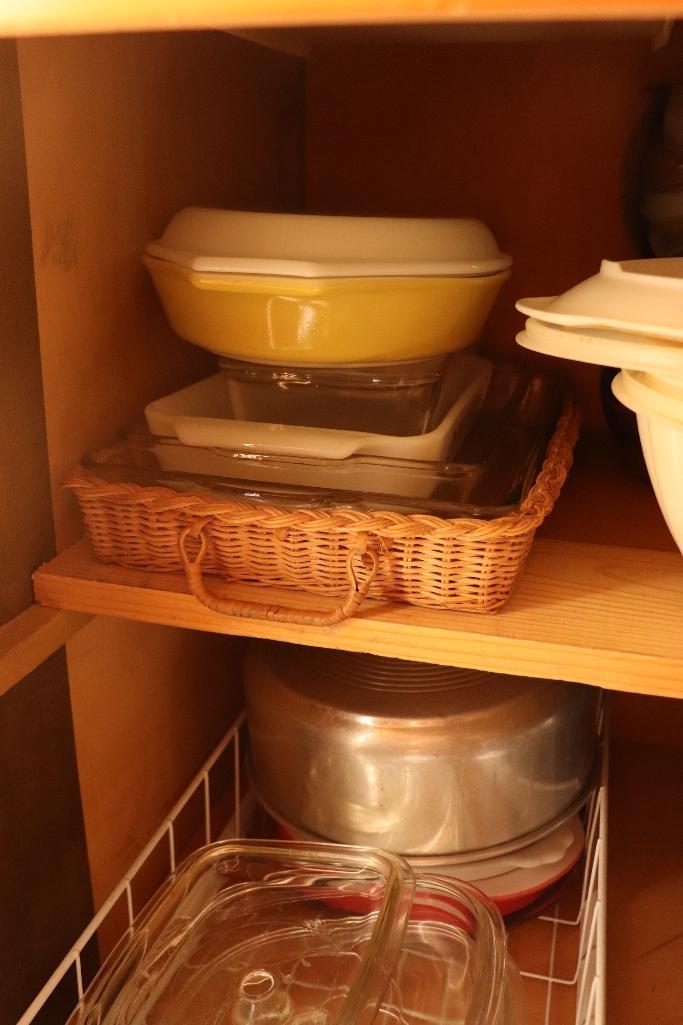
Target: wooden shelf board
x=587, y=613
x=44, y=17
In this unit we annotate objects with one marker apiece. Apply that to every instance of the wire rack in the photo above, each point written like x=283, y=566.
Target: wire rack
x=561, y=954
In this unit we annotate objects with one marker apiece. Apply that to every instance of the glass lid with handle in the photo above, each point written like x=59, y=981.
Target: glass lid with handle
x=284, y=933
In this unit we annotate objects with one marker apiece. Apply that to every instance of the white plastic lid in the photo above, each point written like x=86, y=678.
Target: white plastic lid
x=310, y=246
x=636, y=296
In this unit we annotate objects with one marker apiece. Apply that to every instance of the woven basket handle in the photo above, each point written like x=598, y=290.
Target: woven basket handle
x=358, y=589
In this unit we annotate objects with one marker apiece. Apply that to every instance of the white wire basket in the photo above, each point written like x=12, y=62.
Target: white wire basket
x=561, y=954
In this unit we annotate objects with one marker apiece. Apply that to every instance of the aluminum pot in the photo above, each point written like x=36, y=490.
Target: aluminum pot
x=413, y=758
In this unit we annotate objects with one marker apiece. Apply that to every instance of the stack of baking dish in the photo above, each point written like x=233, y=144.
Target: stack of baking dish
x=335, y=335
x=629, y=316
x=352, y=442
x=489, y=470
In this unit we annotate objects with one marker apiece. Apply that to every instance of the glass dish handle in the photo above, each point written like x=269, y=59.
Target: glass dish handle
x=366, y=554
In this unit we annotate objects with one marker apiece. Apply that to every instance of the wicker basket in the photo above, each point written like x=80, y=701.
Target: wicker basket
x=463, y=564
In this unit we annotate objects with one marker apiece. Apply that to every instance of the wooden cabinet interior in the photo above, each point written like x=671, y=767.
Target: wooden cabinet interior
x=44, y=901
x=121, y=131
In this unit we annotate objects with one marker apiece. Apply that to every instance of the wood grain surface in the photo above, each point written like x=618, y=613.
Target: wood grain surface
x=38, y=17
x=612, y=617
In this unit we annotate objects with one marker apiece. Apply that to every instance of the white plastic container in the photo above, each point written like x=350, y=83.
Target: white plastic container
x=660, y=426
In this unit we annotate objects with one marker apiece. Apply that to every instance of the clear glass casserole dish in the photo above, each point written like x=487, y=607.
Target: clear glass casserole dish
x=385, y=398
x=267, y=933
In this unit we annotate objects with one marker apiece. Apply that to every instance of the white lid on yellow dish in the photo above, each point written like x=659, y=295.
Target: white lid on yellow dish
x=311, y=245
x=636, y=296
x=604, y=348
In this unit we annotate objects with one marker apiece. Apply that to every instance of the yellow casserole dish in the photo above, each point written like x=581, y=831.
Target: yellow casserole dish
x=323, y=320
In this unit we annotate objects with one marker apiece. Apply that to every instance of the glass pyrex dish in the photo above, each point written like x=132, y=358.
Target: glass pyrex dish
x=486, y=474
x=264, y=933
x=385, y=398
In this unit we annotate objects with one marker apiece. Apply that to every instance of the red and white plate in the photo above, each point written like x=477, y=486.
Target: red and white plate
x=512, y=881
x=517, y=889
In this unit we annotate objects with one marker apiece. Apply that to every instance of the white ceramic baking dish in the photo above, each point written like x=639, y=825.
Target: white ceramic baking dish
x=201, y=415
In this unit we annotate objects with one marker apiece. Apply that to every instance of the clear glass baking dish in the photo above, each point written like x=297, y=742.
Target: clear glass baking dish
x=487, y=475
x=268, y=933
x=398, y=399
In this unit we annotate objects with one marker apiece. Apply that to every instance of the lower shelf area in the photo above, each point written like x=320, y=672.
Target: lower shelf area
x=581, y=612
x=642, y=912
x=560, y=953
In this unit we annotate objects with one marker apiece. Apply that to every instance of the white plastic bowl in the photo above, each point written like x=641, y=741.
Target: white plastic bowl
x=655, y=394
x=661, y=437
x=637, y=296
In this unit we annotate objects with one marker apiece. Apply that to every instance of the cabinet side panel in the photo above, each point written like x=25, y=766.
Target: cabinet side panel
x=26, y=531
x=645, y=885
x=647, y=720
x=121, y=132
x=45, y=897
x=149, y=704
